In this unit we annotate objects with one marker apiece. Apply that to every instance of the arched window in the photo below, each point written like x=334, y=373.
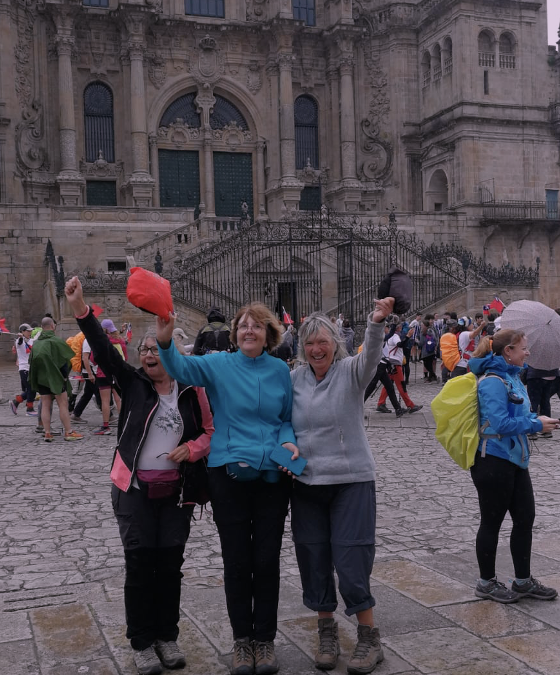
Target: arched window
x=507, y=51
x=183, y=108
x=306, y=119
x=426, y=69
x=447, y=54
x=436, y=61
x=225, y=113
x=486, y=51
x=98, y=122
x=304, y=10
x=437, y=193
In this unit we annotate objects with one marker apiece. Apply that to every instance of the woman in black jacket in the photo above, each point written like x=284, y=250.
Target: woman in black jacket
x=164, y=429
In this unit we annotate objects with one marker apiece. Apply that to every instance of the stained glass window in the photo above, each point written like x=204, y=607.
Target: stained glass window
x=183, y=108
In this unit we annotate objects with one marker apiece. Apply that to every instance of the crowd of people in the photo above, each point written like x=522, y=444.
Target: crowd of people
x=216, y=414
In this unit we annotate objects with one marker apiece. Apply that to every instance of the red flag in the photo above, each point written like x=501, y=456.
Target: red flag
x=497, y=304
x=286, y=318
x=96, y=309
x=3, y=328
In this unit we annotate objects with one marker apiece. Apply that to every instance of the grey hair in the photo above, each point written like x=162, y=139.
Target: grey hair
x=311, y=326
x=150, y=333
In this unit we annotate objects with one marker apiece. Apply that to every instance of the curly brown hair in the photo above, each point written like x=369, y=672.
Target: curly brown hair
x=260, y=313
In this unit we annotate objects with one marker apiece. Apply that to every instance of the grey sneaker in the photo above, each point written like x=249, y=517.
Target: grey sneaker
x=243, y=658
x=266, y=662
x=532, y=437
x=400, y=412
x=545, y=434
x=383, y=408
x=368, y=651
x=534, y=589
x=496, y=591
x=170, y=654
x=147, y=662
x=77, y=420
x=415, y=408
x=329, y=646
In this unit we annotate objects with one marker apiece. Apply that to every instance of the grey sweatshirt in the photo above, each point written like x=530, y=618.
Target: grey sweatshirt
x=328, y=416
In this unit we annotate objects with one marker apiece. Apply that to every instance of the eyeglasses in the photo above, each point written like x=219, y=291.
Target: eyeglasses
x=244, y=327
x=143, y=350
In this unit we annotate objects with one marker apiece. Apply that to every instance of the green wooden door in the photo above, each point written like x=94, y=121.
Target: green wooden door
x=179, y=178
x=233, y=183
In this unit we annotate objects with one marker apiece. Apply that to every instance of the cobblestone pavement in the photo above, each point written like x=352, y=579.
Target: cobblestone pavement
x=61, y=571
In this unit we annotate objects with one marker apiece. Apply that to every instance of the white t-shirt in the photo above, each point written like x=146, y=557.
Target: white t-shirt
x=23, y=351
x=463, y=343
x=164, y=434
x=395, y=354
x=86, y=351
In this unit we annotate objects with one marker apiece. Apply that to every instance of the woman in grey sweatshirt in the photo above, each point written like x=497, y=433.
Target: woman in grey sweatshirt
x=333, y=501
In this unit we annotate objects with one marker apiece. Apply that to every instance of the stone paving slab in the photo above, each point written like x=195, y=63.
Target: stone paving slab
x=61, y=563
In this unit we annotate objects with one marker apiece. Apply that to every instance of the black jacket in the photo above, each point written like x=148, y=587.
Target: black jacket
x=140, y=401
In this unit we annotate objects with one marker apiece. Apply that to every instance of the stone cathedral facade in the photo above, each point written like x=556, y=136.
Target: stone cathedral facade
x=121, y=121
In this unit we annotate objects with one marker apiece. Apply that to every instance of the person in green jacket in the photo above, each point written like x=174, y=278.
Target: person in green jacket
x=49, y=367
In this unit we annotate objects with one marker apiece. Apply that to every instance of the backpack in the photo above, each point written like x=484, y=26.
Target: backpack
x=431, y=343
x=217, y=339
x=455, y=411
x=75, y=342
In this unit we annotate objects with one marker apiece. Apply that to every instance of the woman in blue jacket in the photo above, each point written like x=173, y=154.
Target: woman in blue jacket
x=251, y=395
x=500, y=472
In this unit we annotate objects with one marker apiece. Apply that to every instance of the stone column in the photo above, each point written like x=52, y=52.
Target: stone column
x=141, y=182
x=333, y=148
x=209, y=175
x=69, y=180
x=347, y=118
x=154, y=167
x=260, y=180
x=287, y=128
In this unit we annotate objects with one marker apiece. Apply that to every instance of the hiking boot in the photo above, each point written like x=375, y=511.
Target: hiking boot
x=73, y=436
x=545, y=434
x=329, y=647
x=13, y=407
x=400, y=412
x=495, y=590
x=368, y=651
x=266, y=662
x=33, y=413
x=147, y=662
x=383, y=408
x=534, y=589
x=48, y=438
x=243, y=659
x=415, y=408
x=170, y=654
x=77, y=420
x=102, y=431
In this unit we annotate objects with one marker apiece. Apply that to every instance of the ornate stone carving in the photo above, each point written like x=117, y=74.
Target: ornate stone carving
x=311, y=176
x=157, y=70
x=178, y=133
x=285, y=61
x=254, y=77
x=209, y=67
x=31, y=155
x=101, y=168
x=23, y=75
x=255, y=10
x=232, y=135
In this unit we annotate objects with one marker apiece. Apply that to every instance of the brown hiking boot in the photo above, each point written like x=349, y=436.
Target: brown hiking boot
x=367, y=653
x=329, y=647
x=266, y=662
x=243, y=659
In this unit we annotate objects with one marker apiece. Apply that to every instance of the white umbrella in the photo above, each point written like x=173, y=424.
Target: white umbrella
x=541, y=326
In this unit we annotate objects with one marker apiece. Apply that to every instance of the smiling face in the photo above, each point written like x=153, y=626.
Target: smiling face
x=319, y=351
x=251, y=336
x=150, y=362
x=517, y=353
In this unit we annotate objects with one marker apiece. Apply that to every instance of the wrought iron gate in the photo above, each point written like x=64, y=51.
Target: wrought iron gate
x=316, y=262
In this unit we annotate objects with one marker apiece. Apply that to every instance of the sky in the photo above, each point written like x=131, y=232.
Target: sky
x=553, y=9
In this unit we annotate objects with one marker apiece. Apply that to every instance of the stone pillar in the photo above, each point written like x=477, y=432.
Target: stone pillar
x=70, y=181
x=287, y=128
x=141, y=183
x=333, y=149
x=347, y=118
x=260, y=181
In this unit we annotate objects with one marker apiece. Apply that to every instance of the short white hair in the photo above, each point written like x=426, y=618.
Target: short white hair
x=312, y=325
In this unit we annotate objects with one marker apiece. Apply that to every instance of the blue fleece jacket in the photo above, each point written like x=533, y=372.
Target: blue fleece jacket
x=512, y=421
x=251, y=399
